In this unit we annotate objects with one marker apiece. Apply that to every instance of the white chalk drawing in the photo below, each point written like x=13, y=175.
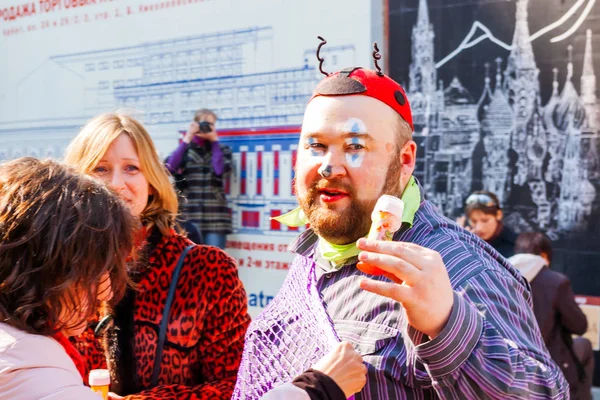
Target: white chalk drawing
x=540, y=159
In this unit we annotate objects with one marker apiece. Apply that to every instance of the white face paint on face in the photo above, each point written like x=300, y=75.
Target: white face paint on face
x=314, y=151
x=354, y=125
x=355, y=153
x=318, y=151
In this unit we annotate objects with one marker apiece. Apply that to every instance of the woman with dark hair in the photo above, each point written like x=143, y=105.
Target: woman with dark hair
x=63, y=242
x=484, y=217
x=556, y=312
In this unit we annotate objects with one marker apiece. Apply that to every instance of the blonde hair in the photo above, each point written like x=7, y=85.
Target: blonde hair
x=203, y=112
x=87, y=149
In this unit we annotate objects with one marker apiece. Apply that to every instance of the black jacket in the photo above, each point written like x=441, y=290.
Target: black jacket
x=505, y=242
x=558, y=316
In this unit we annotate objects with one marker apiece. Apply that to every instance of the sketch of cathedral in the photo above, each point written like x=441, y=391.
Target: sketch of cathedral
x=541, y=160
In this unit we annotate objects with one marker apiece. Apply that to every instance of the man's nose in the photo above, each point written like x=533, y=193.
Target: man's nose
x=333, y=166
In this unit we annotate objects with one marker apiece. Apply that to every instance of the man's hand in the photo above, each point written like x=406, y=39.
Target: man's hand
x=194, y=130
x=422, y=283
x=113, y=396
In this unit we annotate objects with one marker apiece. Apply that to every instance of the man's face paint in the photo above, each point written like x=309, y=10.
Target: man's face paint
x=355, y=153
x=318, y=151
x=355, y=146
x=355, y=125
x=314, y=151
x=325, y=171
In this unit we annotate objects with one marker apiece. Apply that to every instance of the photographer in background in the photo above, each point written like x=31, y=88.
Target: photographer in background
x=203, y=163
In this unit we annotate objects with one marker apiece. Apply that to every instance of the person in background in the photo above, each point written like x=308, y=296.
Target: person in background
x=204, y=163
x=208, y=316
x=556, y=312
x=483, y=217
x=192, y=231
x=63, y=242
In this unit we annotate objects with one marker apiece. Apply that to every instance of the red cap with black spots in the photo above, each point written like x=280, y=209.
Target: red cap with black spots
x=366, y=82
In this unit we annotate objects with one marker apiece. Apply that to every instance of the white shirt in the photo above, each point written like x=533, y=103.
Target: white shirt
x=36, y=367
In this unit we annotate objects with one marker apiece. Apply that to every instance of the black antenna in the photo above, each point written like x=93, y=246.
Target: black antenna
x=377, y=57
x=321, y=60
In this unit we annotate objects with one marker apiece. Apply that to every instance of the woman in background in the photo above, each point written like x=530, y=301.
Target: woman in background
x=483, y=217
x=63, y=243
x=208, y=316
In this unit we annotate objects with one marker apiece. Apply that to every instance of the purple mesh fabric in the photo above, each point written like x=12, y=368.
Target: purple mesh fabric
x=288, y=337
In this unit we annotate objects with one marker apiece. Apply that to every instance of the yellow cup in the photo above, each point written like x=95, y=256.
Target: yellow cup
x=99, y=381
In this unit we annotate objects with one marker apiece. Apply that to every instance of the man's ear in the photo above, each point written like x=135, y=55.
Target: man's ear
x=499, y=215
x=408, y=158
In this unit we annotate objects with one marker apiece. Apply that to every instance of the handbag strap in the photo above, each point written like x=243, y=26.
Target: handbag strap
x=165, y=317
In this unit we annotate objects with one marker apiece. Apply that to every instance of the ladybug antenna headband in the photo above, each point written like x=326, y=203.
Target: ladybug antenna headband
x=376, y=56
x=364, y=82
x=321, y=60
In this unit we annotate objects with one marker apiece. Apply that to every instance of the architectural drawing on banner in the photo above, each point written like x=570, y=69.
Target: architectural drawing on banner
x=261, y=188
x=541, y=160
x=163, y=83
x=229, y=72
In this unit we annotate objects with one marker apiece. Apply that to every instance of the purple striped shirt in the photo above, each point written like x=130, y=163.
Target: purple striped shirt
x=491, y=347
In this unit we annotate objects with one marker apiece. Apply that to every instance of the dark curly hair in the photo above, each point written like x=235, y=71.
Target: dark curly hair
x=60, y=233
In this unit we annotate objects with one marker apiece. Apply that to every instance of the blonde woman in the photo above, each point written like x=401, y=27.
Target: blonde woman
x=180, y=333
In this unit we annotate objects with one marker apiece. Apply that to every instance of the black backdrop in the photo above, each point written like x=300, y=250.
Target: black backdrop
x=577, y=249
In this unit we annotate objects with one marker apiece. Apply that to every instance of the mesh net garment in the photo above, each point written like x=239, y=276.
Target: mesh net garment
x=288, y=337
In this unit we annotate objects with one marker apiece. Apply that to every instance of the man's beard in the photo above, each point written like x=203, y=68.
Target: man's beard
x=348, y=225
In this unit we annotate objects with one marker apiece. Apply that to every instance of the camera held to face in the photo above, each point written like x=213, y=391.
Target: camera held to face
x=205, y=126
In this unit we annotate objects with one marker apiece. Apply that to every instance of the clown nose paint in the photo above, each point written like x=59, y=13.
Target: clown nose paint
x=325, y=171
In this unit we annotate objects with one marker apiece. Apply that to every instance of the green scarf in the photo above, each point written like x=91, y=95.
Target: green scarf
x=337, y=253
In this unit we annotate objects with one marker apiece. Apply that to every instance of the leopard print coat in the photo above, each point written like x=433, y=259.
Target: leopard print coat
x=205, y=334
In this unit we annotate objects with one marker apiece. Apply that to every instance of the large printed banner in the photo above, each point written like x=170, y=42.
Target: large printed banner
x=251, y=61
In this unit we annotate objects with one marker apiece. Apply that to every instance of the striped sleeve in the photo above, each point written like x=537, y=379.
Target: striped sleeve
x=491, y=347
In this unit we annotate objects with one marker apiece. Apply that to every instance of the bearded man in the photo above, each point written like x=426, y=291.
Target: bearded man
x=447, y=318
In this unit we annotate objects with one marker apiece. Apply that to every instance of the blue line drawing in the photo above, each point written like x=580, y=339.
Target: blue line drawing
x=164, y=82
